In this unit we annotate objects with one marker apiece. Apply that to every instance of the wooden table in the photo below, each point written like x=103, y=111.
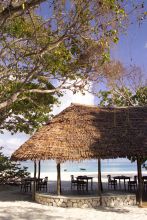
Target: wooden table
x=31, y=180
x=124, y=178
x=87, y=178
x=144, y=178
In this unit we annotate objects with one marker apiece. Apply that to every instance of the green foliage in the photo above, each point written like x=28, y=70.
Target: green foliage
x=22, y=27
x=123, y=97
x=11, y=172
x=30, y=111
x=71, y=43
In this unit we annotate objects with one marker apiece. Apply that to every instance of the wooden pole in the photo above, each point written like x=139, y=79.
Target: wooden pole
x=39, y=168
x=140, y=186
x=34, y=183
x=58, y=180
x=99, y=177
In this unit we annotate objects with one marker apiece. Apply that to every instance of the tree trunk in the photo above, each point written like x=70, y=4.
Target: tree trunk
x=140, y=186
x=58, y=180
x=34, y=183
x=39, y=168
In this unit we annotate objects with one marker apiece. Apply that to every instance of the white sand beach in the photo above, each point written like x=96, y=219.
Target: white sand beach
x=13, y=208
x=17, y=206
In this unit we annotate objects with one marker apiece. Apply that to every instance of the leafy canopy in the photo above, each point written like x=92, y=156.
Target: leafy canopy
x=41, y=55
x=123, y=97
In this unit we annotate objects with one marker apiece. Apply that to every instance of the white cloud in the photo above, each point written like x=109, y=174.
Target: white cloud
x=145, y=45
x=12, y=142
x=69, y=98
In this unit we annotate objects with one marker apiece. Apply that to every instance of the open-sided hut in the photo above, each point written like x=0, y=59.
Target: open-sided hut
x=89, y=132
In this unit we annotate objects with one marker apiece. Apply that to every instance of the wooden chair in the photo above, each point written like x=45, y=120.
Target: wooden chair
x=145, y=185
x=82, y=185
x=42, y=185
x=73, y=182
x=111, y=183
x=25, y=186
x=132, y=184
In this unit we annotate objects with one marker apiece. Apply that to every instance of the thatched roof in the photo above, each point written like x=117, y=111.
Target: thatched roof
x=84, y=132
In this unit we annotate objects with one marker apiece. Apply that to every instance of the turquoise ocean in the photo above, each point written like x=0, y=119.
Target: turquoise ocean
x=108, y=165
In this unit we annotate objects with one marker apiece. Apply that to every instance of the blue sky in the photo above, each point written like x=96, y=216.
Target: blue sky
x=131, y=49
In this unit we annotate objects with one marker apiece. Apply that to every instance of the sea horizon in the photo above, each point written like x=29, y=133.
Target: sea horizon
x=119, y=165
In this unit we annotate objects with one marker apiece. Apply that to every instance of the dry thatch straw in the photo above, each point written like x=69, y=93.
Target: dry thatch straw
x=84, y=132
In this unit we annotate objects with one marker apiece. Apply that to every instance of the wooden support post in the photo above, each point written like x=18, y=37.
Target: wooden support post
x=99, y=177
x=39, y=168
x=58, y=180
x=34, y=183
x=140, y=185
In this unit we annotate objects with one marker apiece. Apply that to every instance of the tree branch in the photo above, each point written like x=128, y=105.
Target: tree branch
x=11, y=10
x=11, y=100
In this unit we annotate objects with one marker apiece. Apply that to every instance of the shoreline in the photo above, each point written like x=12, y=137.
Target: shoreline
x=66, y=176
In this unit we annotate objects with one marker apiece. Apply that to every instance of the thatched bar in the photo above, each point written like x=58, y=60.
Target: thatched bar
x=84, y=132
x=88, y=132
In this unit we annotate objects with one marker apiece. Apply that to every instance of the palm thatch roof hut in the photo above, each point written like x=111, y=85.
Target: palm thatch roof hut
x=84, y=132
x=89, y=132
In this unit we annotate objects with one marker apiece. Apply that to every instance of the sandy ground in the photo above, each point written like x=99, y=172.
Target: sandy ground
x=15, y=205
x=12, y=207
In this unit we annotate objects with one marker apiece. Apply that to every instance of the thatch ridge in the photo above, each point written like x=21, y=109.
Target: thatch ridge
x=84, y=132
x=106, y=107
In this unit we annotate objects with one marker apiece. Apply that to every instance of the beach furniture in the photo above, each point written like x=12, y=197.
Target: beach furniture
x=111, y=183
x=132, y=184
x=25, y=185
x=73, y=182
x=86, y=179
x=42, y=184
x=144, y=180
x=79, y=183
x=124, y=178
x=145, y=185
x=82, y=183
